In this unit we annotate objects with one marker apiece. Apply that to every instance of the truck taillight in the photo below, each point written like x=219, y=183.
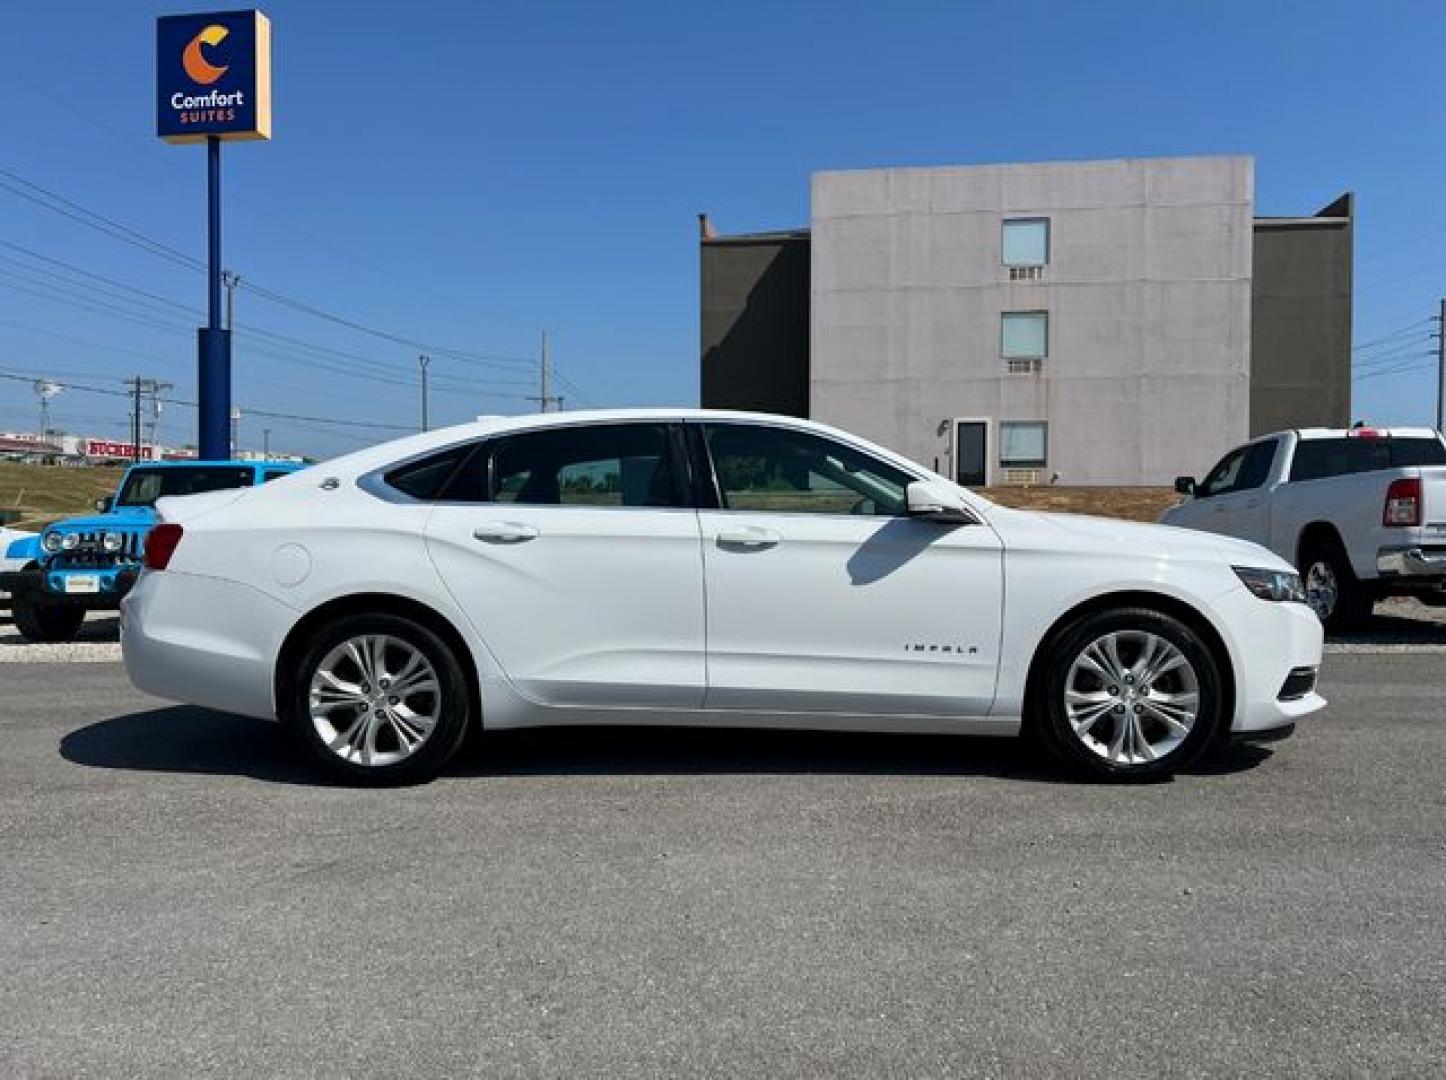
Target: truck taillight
x=1403, y=502
x=161, y=545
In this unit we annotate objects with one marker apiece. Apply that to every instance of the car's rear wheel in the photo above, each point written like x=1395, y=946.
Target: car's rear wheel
x=46, y=621
x=378, y=699
x=1130, y=694
x=1331, y=587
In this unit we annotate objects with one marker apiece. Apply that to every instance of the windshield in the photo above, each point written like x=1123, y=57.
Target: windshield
x=144, y=486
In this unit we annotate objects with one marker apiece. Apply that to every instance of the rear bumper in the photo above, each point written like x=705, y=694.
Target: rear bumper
x=35, y=582
x=176, y=648
x=1414, y=565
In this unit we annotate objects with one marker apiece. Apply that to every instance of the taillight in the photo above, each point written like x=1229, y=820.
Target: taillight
x=161, y=545
x=1403, y=502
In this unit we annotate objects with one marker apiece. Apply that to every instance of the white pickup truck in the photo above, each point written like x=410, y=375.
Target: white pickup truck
x=1362, y=512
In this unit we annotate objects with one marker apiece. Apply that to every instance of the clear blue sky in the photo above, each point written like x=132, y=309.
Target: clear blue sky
x=467, y=173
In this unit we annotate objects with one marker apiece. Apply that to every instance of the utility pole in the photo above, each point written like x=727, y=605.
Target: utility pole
x=1441, y=368
x=423, y=361
x=266, y=444
x=136, y=418
x=138, y=387
x=544, y=397
x=235, y=431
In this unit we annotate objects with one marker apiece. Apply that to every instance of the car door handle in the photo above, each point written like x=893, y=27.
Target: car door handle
x=504, y=532
x=749, y=536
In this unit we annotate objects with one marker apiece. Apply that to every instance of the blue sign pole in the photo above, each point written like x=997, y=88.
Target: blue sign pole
x=213, y=374
x=213, y=83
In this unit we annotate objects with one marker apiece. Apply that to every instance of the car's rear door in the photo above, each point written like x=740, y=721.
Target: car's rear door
x=575, y=553
x=824, y=598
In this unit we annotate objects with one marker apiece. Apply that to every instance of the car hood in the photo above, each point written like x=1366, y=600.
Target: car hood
x=100, y=522
x=1137, y=538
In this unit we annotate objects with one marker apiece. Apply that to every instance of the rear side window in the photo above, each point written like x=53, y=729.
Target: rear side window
x=596, y=465
x=1417, y=451
x=1316, y=459
x=424, y=478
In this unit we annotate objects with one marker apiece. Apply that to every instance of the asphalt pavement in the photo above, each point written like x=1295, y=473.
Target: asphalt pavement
x=179, y=898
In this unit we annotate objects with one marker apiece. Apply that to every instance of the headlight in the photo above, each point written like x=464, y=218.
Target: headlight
x=112, y=542
x=1272, y=584
x=70, y=541
x=51, y=542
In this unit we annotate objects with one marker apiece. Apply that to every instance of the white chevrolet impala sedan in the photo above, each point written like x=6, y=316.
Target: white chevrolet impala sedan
x=706, y=568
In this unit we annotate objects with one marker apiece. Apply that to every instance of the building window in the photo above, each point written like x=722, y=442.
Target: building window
x=1024, y=335
x=1023, y=444
x=1026, y=242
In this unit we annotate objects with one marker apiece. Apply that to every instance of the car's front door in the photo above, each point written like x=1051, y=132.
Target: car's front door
x=824, y=597
x=1232, y=500
x=576, y=557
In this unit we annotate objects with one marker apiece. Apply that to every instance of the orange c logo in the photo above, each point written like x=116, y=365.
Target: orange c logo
x=196, y=65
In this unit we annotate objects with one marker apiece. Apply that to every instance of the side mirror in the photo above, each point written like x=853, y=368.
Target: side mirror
x=936, y=502
x=1185, y=485
x=104, y=503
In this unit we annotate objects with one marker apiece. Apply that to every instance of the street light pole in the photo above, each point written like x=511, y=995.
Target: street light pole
x=422, y=362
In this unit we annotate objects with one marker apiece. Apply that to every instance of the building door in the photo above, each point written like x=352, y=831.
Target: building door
x=971, y=453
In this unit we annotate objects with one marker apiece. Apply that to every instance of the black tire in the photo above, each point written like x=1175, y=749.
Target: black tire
x=452, y=703
x=1049, y=722
x=46, y=621
x=1353, y=601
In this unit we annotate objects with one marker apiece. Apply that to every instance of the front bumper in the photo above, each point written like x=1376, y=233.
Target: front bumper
x=37, y=583
x=1272, y=645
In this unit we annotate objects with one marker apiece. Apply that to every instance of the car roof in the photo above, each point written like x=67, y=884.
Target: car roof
x=236, y=464
x=1368, y=431
x=409, y=446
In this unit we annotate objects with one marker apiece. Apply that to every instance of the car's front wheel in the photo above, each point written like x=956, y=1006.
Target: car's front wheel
x=378, y=699
x=47, y=621
x=1130, y=694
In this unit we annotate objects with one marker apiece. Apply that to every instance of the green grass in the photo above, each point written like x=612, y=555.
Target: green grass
x=40, y=494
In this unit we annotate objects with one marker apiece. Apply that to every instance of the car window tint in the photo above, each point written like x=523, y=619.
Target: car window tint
x=423, y=478
x=1316, y=459
x=274, y=474
x=144, y=486
x=793, y=472
x=1408, y=452
x=588, y=465
x=1223, y=477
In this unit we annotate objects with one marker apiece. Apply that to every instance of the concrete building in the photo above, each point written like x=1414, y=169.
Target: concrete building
x=1108, y=322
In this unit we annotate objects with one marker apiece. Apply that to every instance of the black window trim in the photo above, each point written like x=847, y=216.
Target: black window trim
x=375, y=482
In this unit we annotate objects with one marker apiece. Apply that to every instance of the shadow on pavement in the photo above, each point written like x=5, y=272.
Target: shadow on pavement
x=185, y=739
x=1392, y=629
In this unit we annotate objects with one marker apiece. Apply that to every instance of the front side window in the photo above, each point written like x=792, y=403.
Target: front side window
x=1023, y=444
x=593, y=465
x=794, y=472
x=1026, y=242
x=1240, y=470
x=1024, y=335
x=144, y=486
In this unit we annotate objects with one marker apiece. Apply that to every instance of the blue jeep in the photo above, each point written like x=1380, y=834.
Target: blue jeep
x=86, y=563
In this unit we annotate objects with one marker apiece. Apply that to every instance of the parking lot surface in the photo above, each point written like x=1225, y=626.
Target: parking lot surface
x=179, y=898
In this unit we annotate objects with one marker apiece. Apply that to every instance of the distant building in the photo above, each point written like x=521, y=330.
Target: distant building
x=1103, y=322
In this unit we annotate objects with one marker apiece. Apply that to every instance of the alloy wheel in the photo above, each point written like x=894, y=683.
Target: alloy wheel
x=1131, y=697
x=374, y=700
x=1322, y=589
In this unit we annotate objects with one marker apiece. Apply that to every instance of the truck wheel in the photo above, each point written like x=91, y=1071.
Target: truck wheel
x=1331, y=586
x=47, y=622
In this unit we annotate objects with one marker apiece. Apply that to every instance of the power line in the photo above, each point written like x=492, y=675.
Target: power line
x=331, y=420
